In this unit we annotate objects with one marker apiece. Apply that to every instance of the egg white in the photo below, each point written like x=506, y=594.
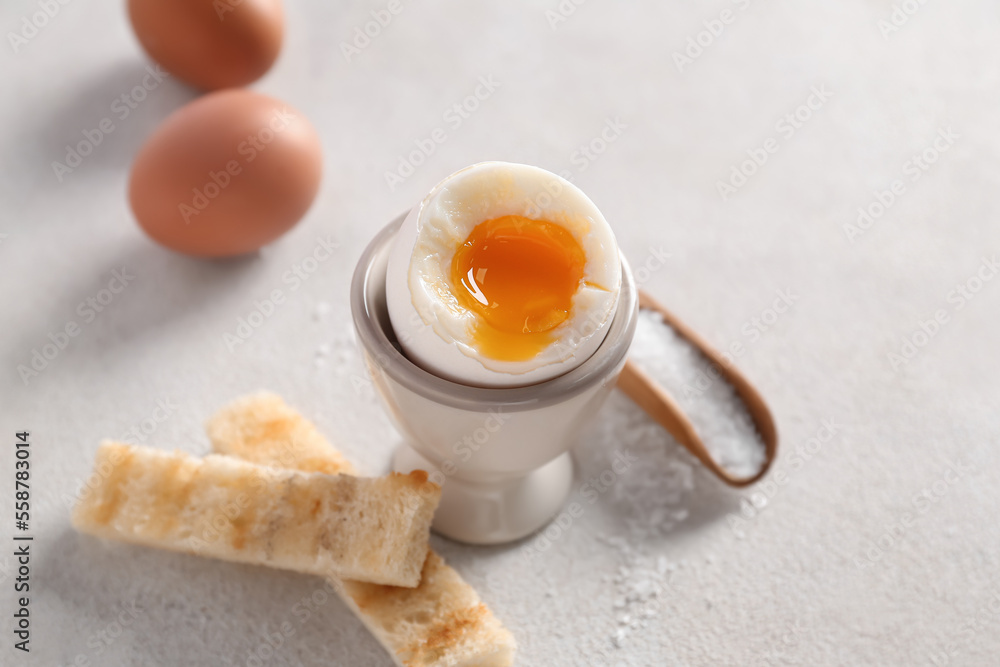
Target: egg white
x=436, y=330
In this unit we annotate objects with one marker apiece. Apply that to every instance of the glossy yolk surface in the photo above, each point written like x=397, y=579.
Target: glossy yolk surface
x=519, y=275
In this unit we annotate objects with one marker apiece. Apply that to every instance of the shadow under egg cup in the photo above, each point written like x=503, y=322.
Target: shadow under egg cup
x=501, y=455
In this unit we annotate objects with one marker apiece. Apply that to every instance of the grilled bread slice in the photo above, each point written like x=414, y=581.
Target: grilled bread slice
x=373, y=529
x=440, y=623
x=277, y=436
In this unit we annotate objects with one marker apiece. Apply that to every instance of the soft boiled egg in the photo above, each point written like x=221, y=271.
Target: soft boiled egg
x=504, y=275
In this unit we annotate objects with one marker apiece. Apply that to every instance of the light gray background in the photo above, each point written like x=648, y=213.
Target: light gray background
x=795, y=584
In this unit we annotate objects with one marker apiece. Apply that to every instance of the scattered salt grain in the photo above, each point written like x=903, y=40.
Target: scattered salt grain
x=322, y=352
x=342, y=353
x=640, y=583
x=654, y=495
x=713, y=406
x=322, y=308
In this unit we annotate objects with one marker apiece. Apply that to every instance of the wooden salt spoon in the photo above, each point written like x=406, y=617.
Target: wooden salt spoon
x=662, y=407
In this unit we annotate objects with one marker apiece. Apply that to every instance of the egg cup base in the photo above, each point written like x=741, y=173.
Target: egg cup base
x=499, y=512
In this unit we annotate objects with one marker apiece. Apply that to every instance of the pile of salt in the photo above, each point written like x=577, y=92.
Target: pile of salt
x=713, y=406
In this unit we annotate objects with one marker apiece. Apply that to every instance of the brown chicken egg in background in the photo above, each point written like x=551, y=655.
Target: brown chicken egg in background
x=226, y=174
x=210, y=44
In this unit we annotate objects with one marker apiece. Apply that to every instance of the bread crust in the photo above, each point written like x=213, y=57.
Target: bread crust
x=372, y=529
x=440, y=623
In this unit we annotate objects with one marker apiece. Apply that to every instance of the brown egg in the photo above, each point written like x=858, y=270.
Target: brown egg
x=226, y=174
x=210, y=43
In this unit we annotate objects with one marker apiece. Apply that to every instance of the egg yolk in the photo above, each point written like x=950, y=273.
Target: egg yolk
x=519, y=275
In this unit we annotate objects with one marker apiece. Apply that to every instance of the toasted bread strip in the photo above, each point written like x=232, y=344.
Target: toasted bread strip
x=374, y=529
x=277, y=436
x=440, y=623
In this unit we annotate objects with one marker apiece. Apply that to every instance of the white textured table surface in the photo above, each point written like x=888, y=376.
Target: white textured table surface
x=869, y=552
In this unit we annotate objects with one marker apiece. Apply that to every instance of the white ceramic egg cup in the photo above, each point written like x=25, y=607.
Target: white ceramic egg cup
x=501, y=455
